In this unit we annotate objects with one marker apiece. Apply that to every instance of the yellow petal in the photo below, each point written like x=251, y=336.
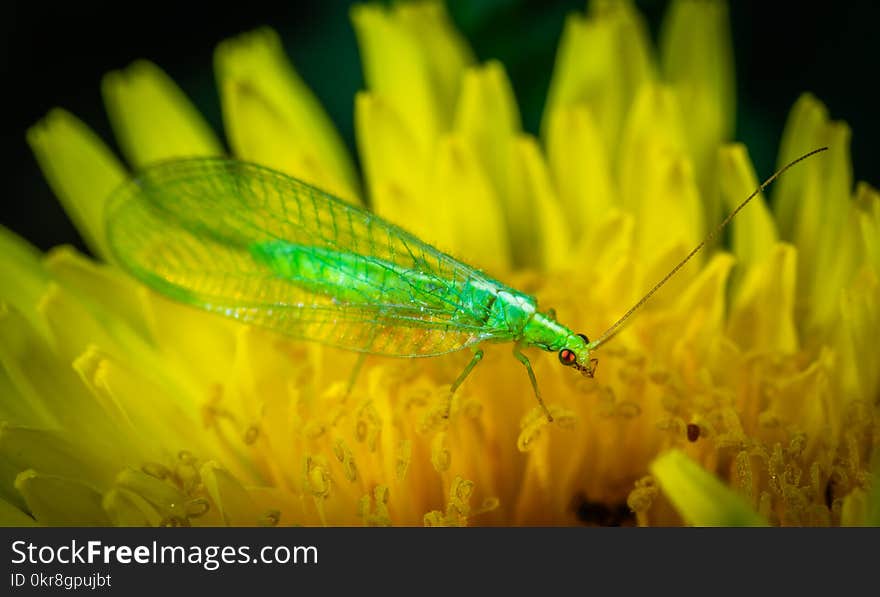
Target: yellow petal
x=167, y=500
x=273, y=118
x=181, y=332
x=446, y=50
x=540, y=233
x=803, y=401
x=699, y=496
x=697, y=58
x=22, y=271
x=266, y=374
x=93, y=304
x=602, y=61
x=71, y=326
x=824, y=220
x=153, y=428
x=813, y=209
x=657, y=179
x=8, y=472
x=793, y=194
x=12, y=516
x=832, y=274
x=580, y=167
x=467, y=217
x=653, y=132
x=233, y=500
x=396, y=70
x=128, y=509
x=762, y=314
x=868, y=199
x=610, y=243
x=654, y=268
x=488, y=117
x=754, y=231
x=56, y=400
x=56, y=501
x=413, y=58
x=705, y=302
x=152, y=118
x=52, y=453
x=114, y=297
x=395, y=167
x=14, y=406
x=855, y=337
x=81, y=170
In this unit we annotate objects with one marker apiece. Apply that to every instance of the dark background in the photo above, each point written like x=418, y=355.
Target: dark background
x=55, y=55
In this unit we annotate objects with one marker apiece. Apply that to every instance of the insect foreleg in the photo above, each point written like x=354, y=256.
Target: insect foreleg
x=355, y=371
x=478, y=356
x=522, y=358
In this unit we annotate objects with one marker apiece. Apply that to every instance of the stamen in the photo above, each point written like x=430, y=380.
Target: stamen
x=642, y=497
x=434, y=518
x=529, y=434
x=344, y=455
x=381, y=495
x=563, y=417
x=470, y=408
x=658, y=376
x=369, y=426
x=628, y=409
x=607, y=404
x=379, y=515
x=489, y=504
x=187, y=473
x=197, y=507
x=458, y=508
x=251, y=434
x=462, y=489
x=186, y=457
x=212, y=411
x=316, y=478
x=440, y=456
x=744, y=477
x=775, y=470
x=156, y=470
x=270, y=518
x=162, y=492
x=404, y=457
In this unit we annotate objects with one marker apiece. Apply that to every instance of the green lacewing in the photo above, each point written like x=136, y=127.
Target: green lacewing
x=264, y=248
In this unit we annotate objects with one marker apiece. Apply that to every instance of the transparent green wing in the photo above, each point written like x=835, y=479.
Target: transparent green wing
x=261, y=247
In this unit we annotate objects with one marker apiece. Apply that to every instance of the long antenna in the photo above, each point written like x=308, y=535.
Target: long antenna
x=610, y=332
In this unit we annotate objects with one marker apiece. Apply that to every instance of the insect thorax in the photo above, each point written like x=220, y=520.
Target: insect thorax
x=544, y=332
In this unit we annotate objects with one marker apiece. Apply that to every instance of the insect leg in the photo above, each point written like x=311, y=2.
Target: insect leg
x=551, y=313
x=358, y=365
x=522, y=358
x=355, y=371
x=478, y=356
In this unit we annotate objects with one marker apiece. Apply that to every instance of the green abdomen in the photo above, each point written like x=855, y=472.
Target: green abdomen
x=359, y=279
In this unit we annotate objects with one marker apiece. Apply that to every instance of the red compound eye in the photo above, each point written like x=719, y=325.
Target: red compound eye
x=567, y=357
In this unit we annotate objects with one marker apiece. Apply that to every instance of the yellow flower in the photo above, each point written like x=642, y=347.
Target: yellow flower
x=745, y=392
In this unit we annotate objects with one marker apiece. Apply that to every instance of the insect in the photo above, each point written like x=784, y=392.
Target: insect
x=266, y=249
